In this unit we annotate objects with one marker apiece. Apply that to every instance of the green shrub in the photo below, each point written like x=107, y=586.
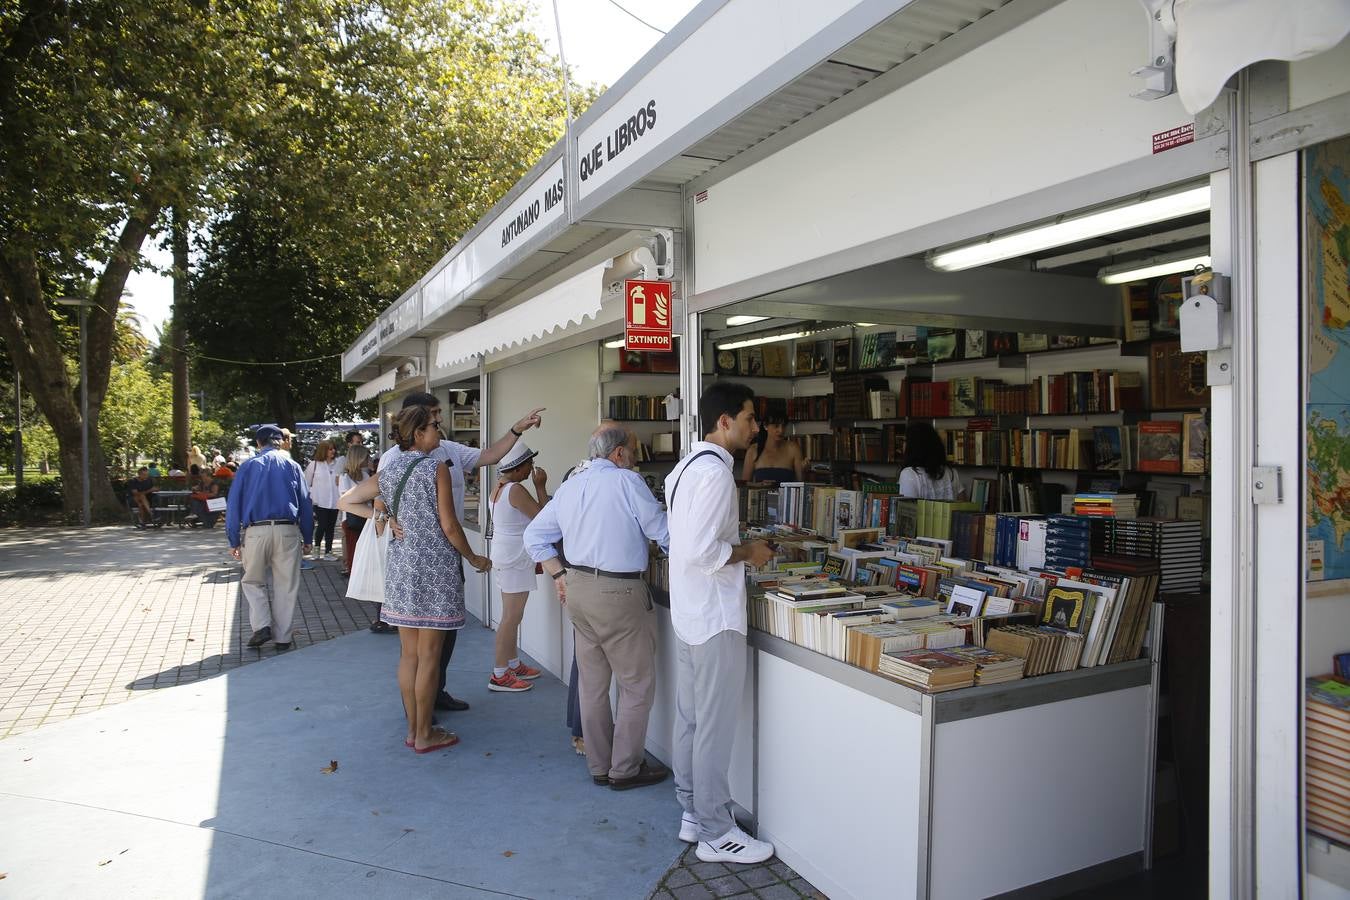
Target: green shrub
x=35, y=499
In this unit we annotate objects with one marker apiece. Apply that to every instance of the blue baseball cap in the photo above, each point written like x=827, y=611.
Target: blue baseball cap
x=267, y=434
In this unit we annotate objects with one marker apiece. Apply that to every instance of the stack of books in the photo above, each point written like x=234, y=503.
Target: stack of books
x=1068, y=542
x=928, y=670
x=1177, y=545
x=991, y=666
x=1327, y=722
x=1045, y=650
x=1106, y=505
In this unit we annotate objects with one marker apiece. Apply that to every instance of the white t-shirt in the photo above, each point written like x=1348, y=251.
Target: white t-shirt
x=463, y=459
x=915, y=482
x=323, y=483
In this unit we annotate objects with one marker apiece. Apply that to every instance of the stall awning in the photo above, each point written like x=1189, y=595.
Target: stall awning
x=570, y=302
x=1218, y=38
x=376, y=386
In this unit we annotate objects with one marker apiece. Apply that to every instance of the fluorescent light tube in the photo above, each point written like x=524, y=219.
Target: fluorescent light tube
x=615, y=344
x=1071, y=230
x=1153, y=266
x=771, y=339
x=733, y=321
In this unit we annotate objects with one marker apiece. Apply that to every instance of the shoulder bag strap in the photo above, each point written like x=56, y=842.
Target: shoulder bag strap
x=398, y=491
x=670, y=501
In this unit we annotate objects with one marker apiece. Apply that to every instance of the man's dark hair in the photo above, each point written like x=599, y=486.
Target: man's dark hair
x=355, y=434
x=722, y=397
x=145, y=469
x=427, y=400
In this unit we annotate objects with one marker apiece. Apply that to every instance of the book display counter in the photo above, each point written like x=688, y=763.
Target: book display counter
x=869, y=788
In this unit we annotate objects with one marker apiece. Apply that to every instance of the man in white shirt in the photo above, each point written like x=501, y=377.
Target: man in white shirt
x=708, y=613
x=464, y=459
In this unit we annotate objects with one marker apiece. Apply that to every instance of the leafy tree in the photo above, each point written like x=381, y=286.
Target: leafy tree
x=398, y=122
x=436, y=111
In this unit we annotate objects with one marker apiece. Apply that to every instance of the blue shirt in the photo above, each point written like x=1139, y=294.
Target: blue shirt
x=268, y=486
x=604, y=515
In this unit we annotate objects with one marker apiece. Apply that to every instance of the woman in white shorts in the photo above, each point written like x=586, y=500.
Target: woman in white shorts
x=512, y=509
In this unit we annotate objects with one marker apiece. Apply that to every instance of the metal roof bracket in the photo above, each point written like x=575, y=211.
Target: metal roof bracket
x=1160, y=73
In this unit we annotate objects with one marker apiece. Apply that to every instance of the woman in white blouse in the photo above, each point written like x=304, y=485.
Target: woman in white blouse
x=322, y=474
x=925, y=472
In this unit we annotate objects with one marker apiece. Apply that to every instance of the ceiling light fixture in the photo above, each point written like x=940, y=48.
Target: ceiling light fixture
x=1153, y=266
x=1071, y=230
x=733, y=321
x=615, y=344
x=771, y=339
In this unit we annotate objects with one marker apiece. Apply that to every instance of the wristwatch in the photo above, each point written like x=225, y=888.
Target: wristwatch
x=560, y=573
x=512, y=429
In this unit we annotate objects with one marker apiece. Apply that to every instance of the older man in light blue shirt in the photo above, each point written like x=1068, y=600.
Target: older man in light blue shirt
x=605, y=515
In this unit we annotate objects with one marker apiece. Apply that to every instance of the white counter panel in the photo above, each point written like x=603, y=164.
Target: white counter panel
x=839, y=783
x=1037, y=792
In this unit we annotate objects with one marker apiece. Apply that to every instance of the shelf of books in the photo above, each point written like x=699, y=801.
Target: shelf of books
x=637, y=390
x=1037, y=416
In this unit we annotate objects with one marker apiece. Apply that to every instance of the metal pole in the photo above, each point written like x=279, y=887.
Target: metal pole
x=84, y=408
x=18, y=429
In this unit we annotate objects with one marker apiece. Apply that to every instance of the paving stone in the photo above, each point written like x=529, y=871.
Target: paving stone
x=726, y=886
x=706, y=871
x=757, y=876
x=802, y=886
x=782, y=869
x=679, y=877
x=79, y=637
x=694, y=891
x=779, y=891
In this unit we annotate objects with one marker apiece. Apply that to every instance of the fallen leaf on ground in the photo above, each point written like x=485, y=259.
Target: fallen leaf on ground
x=124, y=851
x=29, y=759
x=406, y=830
x=297, y=709
x=3, y=875
x=191, y=639
x=105, y=862
x=374, y=812
x=330, y=768
x=508, y=853
x=489, y=753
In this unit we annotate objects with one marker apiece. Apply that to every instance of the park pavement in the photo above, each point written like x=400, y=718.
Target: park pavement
x=144, y=751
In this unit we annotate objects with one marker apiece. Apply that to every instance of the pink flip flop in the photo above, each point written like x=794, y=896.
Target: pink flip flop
x=454, y=739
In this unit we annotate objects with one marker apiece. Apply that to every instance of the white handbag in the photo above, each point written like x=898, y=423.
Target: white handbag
x=366, y=581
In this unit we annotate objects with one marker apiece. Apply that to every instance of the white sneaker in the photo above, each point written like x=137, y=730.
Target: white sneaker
x=734, y=847
x=688, y=828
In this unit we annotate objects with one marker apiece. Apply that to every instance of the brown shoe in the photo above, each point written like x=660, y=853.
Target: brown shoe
x=645, y=775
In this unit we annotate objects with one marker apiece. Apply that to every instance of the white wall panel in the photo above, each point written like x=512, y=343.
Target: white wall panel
x=1070, y=784
x=1279, y=527
x=565, y=383
x=1325, y=75
x=1047, y=102
x=839, y=783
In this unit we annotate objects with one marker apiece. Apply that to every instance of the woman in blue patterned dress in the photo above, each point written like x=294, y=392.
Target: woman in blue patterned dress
x=424, y=581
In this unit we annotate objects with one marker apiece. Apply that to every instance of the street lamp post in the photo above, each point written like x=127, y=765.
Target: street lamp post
x=84, y=401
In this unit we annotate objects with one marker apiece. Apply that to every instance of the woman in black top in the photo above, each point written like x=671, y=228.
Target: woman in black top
x=774, y=457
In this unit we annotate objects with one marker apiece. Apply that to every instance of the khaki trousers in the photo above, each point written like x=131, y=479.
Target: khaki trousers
x=274, y=548
x=616, y=638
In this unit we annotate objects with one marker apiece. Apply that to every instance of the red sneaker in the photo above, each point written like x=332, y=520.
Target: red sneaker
x=526, y=672
x=508, y=683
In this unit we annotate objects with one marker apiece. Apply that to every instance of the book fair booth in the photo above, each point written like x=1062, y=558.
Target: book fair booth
x=1114, y=286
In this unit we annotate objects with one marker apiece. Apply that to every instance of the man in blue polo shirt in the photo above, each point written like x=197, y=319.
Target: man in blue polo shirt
x=268, y=520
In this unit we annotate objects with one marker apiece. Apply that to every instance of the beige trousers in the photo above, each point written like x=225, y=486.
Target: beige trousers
x=616, y=638
x=274, y=548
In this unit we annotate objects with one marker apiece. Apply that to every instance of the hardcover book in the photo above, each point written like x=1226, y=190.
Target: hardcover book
x=1159, y=446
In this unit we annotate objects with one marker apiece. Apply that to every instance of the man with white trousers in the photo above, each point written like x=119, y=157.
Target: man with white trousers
x=708, y=612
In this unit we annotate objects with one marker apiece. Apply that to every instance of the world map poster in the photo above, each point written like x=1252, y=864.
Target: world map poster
x=1328, y=413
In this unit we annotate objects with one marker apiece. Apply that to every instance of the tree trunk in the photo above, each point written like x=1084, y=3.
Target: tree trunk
x=178, y=340
x=30, y=333
x=279, y=395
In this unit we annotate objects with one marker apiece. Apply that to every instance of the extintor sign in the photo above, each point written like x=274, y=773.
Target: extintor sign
x=647, y=318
